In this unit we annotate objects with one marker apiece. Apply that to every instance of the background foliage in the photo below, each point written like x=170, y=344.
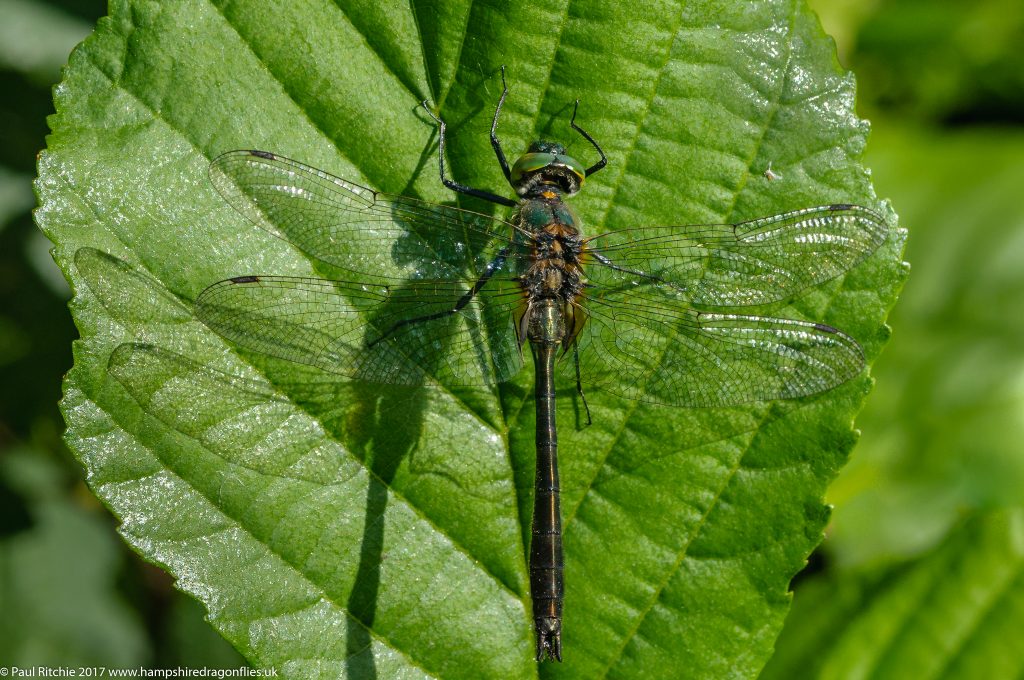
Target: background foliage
x=937, y=475
x=70, y=591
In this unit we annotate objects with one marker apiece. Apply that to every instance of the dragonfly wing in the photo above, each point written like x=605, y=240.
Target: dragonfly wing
x=750, y=263
x=405, y=334
x=649, y=347
x=351, y=227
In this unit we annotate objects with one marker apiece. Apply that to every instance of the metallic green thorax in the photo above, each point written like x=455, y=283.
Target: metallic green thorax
x=536, y=214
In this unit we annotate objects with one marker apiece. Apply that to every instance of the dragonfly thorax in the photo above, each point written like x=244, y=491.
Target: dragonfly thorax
x=547, y=211
x=556, y=249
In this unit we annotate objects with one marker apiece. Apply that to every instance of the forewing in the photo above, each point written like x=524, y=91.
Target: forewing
x=352, y=227
x=646, y=346
x=751, y=263
x=404, y=334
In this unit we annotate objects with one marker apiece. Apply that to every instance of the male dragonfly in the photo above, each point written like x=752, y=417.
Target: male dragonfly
x=636, y=311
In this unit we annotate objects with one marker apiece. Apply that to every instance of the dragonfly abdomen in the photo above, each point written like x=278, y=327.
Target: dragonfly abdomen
x=546, y=332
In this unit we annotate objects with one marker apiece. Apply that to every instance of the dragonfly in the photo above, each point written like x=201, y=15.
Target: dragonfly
x=439, y=295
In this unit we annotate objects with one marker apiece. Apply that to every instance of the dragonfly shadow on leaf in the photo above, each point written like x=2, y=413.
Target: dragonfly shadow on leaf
x=245, y=422
x=243, y=432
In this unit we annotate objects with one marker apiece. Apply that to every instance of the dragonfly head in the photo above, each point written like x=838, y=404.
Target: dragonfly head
x=545, y=164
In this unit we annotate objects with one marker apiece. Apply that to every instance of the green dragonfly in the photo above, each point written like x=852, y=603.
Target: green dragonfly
x=637, y=312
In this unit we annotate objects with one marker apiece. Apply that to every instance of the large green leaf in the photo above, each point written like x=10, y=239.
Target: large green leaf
x=351, y=530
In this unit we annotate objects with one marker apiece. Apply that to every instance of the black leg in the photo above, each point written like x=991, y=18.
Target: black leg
x=604, y=159
x=494, y=129
x=452, y=184
x=492, y=266
x=579, y=382
x=626, y=270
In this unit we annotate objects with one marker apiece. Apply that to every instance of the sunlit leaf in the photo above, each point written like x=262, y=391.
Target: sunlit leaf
x=351, y=530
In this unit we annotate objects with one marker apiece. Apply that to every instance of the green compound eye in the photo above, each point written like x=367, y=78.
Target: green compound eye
x=529, y=163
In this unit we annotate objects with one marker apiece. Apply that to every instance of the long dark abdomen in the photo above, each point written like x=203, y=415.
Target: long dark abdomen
x=546, y=564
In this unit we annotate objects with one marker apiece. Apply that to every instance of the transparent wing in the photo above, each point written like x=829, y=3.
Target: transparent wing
x=352, y=227
x=402, y=334
x=750, y=263
x=646, y=346
x=239, y=420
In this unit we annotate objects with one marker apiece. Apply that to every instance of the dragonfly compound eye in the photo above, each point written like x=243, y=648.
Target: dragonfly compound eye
x=538, y=168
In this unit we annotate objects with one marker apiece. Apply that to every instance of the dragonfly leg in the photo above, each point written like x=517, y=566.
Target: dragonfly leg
x=494, y=129
x=626, y=270
x=460, y=304
x=452, y=184
x=579, y=383
x=604, y=159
